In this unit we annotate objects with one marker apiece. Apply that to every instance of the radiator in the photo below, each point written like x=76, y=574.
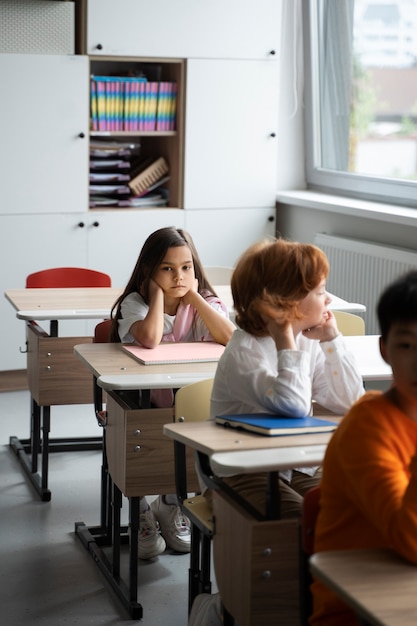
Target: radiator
x=360, y=270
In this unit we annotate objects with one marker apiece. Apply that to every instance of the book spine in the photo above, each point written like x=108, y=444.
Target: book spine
x=172, y=107
x=101, y=104
x=93, y=104
x=142, y=105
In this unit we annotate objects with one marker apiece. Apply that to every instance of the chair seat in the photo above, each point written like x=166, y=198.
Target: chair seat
x=200, y=512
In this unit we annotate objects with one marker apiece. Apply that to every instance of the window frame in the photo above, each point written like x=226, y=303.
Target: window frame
x=379, y=189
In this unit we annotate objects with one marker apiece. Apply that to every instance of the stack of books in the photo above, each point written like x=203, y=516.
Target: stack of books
x=133, y=104
x=119, y=177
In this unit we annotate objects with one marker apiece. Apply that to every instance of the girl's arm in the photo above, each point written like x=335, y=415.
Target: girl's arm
x=149, y=331
x=219, y=327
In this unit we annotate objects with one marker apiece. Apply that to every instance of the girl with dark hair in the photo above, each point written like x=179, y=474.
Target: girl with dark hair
x=168, y=298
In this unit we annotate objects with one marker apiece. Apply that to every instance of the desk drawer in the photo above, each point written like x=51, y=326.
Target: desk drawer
x=256, y=565
x=55, y=375
x=140, y=457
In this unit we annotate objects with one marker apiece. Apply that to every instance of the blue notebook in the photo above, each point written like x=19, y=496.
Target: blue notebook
x=268, y=424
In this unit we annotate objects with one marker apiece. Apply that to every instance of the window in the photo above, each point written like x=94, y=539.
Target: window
x=361, y=98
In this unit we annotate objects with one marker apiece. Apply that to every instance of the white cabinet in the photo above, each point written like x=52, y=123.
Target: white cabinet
x=221, y=236
x=114, y=244
x=44, y=127
x=234, y=29
x=223, y=154
x=29, y=243
x=230, y=134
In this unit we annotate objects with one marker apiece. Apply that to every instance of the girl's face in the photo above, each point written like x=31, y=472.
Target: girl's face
x=315, y=305
x=175, y=274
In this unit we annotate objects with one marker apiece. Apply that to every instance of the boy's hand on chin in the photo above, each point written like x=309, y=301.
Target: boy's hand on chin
x=326, y=331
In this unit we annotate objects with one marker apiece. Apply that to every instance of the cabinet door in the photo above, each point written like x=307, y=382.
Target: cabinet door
x=189, y=28
x=222, y=236
x=231, y=147
x=44, y=112
x=115, y=238
x=29, y=243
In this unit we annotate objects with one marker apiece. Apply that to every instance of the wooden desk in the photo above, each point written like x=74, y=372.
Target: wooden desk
x=370, y=362
x=138, y=460
x=55, y=376
x=378, y=585
x=256, y=559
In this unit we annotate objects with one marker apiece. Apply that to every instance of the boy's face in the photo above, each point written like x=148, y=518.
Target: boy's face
x=400, y=352
x=315, y=305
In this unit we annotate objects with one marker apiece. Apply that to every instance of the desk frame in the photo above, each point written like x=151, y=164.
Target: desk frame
x=55, y=378
x=125, y=409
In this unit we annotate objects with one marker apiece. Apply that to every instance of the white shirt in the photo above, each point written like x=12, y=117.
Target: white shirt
x=254, y=377
x=134, y=308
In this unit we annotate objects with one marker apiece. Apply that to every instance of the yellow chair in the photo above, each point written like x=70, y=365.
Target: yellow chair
x=349, y=324
x=219, y=274
x=192, y=404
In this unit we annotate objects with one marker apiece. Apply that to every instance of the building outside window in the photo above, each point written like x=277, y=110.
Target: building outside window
x=361, y=97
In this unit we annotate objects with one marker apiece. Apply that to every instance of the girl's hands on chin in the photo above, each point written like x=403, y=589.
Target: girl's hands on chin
x=188, y=297
x=323, y=332
x=154, y=288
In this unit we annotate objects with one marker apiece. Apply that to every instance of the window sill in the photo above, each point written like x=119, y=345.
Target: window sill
x=350, y=206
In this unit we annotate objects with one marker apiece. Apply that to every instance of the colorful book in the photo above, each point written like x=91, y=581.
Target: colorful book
x=172, y=106
x=176, y=352
x=275, y=425
x=93, y=105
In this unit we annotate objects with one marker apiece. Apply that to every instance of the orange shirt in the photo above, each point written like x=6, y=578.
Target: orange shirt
x=368, y=492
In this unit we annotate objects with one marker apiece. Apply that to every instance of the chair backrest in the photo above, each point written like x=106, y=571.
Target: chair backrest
x=349, y=324
x=310, y=511
x=67, y=277
x=192, y=402
x=219, y=274
x=102, y=332
x=311, y=507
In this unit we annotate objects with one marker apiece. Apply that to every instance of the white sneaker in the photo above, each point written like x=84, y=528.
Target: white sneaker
x=206, y=610
x=175, y=526
x=150, y=542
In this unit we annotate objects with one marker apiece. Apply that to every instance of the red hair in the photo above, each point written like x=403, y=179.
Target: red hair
x=271, y=278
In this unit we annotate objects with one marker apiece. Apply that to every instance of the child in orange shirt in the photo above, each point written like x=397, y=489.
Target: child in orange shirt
x=369, y=482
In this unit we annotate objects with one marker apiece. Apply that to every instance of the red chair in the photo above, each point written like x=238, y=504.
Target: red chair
x=67, y=277
x=101, y=335
x=311, y=507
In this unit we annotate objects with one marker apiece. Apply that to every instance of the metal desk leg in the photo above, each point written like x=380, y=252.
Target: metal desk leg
x=27, y=450
x=95, y=537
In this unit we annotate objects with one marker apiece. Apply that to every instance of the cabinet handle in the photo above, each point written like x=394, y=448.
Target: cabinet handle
x=81, y=224
x=81, y=135
x=272, y=52
x=99, y=46
x=272, y=135
x=271, y=218
x=96, y=224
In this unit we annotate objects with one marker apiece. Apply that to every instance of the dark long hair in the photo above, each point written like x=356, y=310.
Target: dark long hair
x=153, y=252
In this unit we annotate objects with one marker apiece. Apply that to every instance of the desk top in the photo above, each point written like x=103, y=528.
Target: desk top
x=210, y=438
x=116, y=370
x=96, y=303
x=366, y=350
x=378, y=585
x=60, y=304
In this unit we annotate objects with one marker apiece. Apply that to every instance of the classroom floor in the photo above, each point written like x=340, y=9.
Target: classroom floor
x=47, y=577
